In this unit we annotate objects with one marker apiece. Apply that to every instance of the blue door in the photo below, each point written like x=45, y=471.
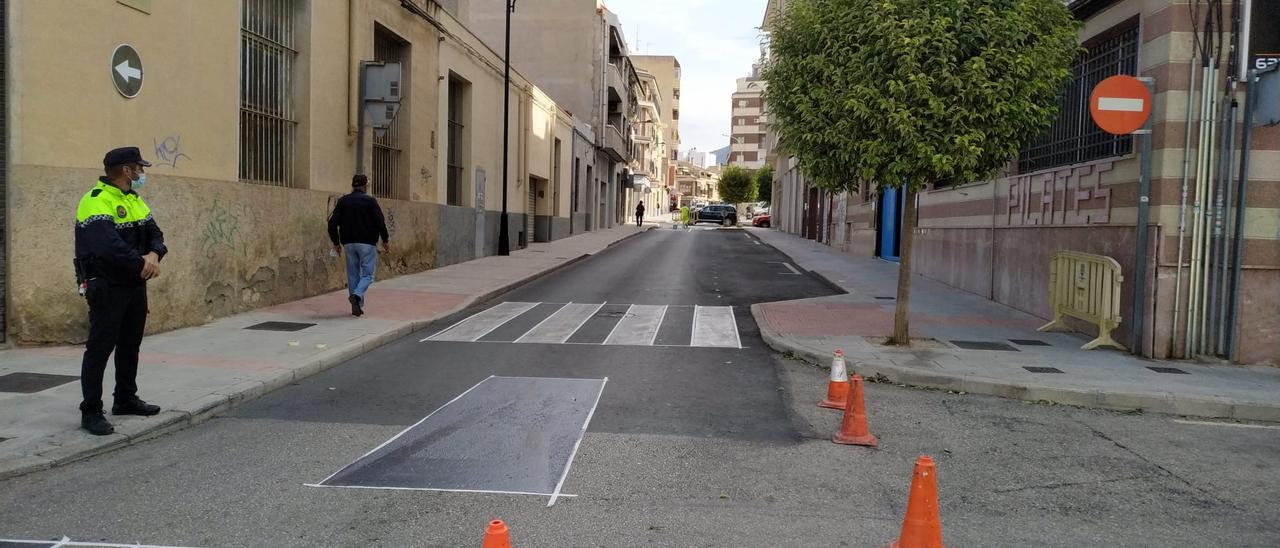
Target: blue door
x=890, y=225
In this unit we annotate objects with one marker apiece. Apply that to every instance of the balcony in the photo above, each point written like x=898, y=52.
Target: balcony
x=616, y=83
x=614, y=145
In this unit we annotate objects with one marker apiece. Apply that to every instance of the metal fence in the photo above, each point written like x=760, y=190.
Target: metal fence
x=267, y=118
x=1074, y=138
x=387, y=177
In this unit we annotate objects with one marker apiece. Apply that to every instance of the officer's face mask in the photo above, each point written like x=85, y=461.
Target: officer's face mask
x=140, y=180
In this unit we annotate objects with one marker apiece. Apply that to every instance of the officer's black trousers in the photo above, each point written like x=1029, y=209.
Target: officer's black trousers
x=117, y=318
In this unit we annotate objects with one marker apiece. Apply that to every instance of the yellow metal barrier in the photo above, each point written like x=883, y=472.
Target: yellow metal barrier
x=1085, y=286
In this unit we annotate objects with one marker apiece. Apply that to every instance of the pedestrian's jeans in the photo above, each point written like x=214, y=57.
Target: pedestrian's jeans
x=117, y=318
x=361, y=261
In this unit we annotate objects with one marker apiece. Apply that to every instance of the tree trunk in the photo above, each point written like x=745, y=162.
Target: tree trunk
x=901, y=326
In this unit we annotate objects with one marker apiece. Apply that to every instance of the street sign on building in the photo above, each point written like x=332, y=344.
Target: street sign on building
x=1120, y=104
x=126, y=70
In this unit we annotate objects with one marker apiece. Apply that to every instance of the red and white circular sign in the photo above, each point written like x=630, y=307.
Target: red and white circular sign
x=1120, y=105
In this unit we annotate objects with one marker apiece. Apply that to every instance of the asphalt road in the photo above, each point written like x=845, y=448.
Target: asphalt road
x=688, y=446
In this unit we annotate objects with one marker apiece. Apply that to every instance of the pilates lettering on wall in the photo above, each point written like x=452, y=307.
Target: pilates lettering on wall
x=1065, y=197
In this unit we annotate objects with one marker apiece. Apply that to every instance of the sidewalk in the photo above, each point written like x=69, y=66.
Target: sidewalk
x=196, y=372
x=859, y=321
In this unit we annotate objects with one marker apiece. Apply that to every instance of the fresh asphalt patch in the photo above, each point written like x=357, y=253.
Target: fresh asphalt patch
x=509, y=435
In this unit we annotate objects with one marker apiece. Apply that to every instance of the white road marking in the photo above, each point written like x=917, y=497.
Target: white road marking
x=480, y=324
x=414, y=425
x=793, y=270
x=714, y=326
x=563, y=324
x=66, y=541
x=482, y=491
x=1229, y=424
x=1121, y=104
x=581, y=434
x=639, y=327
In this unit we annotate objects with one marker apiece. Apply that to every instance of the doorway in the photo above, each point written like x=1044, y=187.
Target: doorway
x=889, y=224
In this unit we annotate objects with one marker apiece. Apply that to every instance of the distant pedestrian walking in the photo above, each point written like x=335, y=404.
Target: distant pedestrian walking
x=639, y=213
x=355, y=226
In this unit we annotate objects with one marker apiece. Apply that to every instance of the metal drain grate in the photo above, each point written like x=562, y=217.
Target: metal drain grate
x=1170, y=370
x=280, y=326
x=886, y=298
x=30, y=383
x=1042, y=369
x=984, y=345
x=1029, y=342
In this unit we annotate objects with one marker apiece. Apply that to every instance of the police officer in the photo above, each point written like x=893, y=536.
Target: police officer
x=118, y=248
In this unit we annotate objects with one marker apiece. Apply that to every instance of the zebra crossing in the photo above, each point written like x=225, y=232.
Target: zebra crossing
x=598, y=324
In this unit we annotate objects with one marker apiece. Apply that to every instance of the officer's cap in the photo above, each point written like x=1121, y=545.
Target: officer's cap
x=124, y=156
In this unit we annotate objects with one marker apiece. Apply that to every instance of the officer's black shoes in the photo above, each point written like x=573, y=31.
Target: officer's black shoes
x=96, y=424
x=355, y=306
x=134, y=406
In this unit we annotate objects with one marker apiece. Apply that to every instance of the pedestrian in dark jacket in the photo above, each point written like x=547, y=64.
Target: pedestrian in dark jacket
x=355, y=225
x=118, y=248
x=639, y=213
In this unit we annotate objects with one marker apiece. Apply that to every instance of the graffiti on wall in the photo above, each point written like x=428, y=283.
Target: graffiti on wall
x=222, y=232
x=1068, y=196
x=169, y=151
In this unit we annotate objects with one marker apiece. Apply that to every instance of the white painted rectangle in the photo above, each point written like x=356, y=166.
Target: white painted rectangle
x=558, y=327
x=639, y=326
x=1121, y=104
x=479, y=325
x=715, y=326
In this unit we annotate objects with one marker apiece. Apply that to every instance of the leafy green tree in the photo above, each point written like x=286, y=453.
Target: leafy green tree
x=737, y=185
x=764, y=184
x=901, y=93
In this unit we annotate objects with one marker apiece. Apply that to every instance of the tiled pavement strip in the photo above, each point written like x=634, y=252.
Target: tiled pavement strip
x=196, y=372
x=858, y=322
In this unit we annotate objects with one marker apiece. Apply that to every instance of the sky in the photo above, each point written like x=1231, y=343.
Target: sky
x=716, y=41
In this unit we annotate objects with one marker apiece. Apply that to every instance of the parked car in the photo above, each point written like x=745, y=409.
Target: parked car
x=761, y=220
x=726, y=215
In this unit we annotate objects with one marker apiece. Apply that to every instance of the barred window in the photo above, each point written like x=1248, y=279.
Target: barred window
x=457, y=149
x=267, y=118
x=1074, y=138
x=388, y=177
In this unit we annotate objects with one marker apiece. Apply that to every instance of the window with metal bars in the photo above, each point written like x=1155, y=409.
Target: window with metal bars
x=267, y=120
x=1074, y=138
x=456, y=140
x=388, y=177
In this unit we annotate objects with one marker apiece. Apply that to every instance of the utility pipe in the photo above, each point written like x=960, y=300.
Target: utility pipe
x=1197, y=217
x=1211, y=121
x=1251, y=95
x=1229, y=161
x=1182, y=208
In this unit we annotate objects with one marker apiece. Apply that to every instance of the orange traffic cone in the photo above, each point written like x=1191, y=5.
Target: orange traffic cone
x=921, y=528
x=496, y=535
x=853, y=429
x=838, y=385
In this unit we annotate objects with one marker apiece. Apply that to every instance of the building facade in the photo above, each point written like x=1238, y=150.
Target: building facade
x=696, y=184
x=590, y=74
x=747, y=144
x=248, y=113
x=666, y=71
x=649, y=182
x=1076, y=188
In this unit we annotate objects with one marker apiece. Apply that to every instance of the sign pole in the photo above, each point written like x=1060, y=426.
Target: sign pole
x=1144, y=212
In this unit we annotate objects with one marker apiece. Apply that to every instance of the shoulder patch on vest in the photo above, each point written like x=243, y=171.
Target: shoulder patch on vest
x=121, y=212
x=95, y=192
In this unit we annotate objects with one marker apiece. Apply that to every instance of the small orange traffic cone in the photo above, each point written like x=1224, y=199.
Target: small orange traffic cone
x=853, y=428
x=496, y=535
x=921, y=528
x=838, y=385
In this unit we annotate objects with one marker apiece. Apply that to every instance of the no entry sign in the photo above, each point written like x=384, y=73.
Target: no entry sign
x=1120, y=104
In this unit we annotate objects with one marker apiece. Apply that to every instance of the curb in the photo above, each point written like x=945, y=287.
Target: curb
x=194, y=412
x=1165, y=403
